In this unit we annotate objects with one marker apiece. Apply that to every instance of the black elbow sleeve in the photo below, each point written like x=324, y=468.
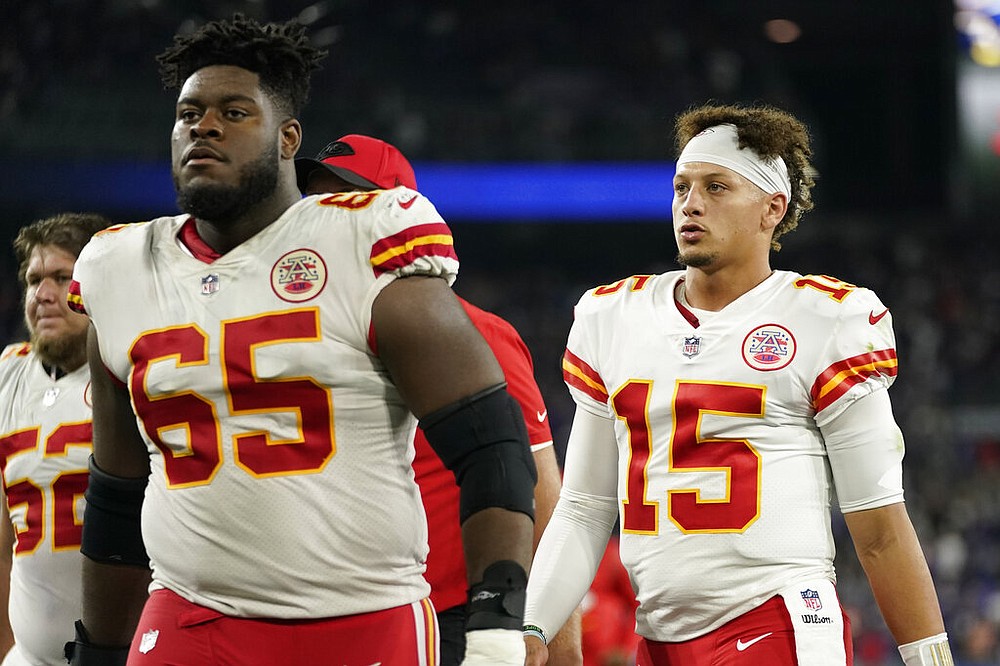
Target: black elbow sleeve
x=112, y=530
x=482, y=439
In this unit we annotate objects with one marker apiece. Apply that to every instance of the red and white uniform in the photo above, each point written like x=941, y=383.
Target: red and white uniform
x=281, y=483
x=446, y=561
x=45, y=442
x=726, y=456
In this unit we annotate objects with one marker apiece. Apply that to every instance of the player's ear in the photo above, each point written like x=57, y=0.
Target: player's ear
x=291, y=138
x=774, y=212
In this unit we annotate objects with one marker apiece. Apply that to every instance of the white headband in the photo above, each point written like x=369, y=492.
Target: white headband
x=720, y=145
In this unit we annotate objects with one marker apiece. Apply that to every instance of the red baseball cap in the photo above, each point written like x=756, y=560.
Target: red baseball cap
x=361, y=160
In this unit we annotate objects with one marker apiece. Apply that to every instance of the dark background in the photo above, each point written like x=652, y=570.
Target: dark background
x=903, y=205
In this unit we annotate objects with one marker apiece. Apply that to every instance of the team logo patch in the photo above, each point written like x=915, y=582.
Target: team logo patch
x=691, y=346
x=811, y=599
x=298, y=276
x=51, y=394
x=769, y=347
x=210, y=284
x=148, y=640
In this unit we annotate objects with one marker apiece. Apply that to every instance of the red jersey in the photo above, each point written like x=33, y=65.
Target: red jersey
x=438, y=490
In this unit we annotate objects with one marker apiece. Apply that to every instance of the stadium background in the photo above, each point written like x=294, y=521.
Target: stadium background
x=903, y=98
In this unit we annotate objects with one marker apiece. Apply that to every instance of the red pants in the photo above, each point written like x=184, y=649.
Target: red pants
x=175, y=632
x=764, y=635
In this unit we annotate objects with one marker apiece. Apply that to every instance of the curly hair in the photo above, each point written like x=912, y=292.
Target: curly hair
x=770, y=132
x=68, y=231
x=279, y=53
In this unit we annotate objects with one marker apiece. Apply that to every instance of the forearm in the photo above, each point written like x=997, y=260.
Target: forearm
x=898, y=574
x=6, y=634
x=902, y=586
x=113, y=597
x=565, y=647
x=547, y=489
x=6, y=563
x=496, y=534
x=567, y=558
x=498, y=552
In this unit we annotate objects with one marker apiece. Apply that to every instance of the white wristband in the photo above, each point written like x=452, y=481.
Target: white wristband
x=494, y=647
x=930, y=651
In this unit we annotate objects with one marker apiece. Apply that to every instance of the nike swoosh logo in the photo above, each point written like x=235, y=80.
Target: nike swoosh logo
x=740, y=645
x=541, y=415
x=876, y=318
x=409, y=202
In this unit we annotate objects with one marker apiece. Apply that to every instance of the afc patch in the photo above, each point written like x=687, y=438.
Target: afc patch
x=811, y=599
x=769, y=347
x=298, y=276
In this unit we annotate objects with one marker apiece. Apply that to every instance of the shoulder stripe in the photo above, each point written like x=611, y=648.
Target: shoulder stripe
x=578, y=374
x=403, y=248
x=16, y=349
x=838, y=379
x=74, y=299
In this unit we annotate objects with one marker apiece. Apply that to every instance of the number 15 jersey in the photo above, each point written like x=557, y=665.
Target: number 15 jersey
x=724, y=479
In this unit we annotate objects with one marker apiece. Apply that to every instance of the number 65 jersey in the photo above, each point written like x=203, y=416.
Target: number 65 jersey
x=281, y=483
x=724, y=477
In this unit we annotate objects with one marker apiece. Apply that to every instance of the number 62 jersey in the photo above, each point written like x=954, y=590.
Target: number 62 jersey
x=45, y=436
x=724, y=477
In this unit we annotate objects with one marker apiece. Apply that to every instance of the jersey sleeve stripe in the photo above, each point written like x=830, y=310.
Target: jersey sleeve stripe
x=838, y=379
x=578, y=374
x=16, y=349
x=74, y=300
x=403, y=248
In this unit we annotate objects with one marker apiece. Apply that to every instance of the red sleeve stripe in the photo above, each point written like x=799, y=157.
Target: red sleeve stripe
x=372, y=340
x=838, y=379
x=22, y=349
x=74, y=299
x=402, y=249
x=579, y=375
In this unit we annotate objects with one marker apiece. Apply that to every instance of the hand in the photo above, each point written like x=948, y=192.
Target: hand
x=493, y=647
x=537, y=652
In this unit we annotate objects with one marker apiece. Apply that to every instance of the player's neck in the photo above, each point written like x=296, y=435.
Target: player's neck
x=714, y=290
x=224, y=235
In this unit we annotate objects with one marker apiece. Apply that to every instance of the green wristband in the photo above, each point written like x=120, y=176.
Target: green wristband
x=534, y=630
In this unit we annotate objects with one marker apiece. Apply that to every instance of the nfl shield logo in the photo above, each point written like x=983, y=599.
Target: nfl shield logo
x=210, y=284
x=811, y=600
x=148, y=640
x=691, y=347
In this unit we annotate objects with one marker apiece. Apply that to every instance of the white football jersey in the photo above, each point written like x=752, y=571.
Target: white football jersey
x=45, y=442
x=724, y=481
x=280, y=449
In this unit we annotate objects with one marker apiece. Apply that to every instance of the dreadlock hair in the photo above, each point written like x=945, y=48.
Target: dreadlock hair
x=770, y=132
x=279, y=53
x=67, y=231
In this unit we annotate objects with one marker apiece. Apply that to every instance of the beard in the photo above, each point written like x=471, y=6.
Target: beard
x=695, y=259
x=66, y=352
x=223, y=203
